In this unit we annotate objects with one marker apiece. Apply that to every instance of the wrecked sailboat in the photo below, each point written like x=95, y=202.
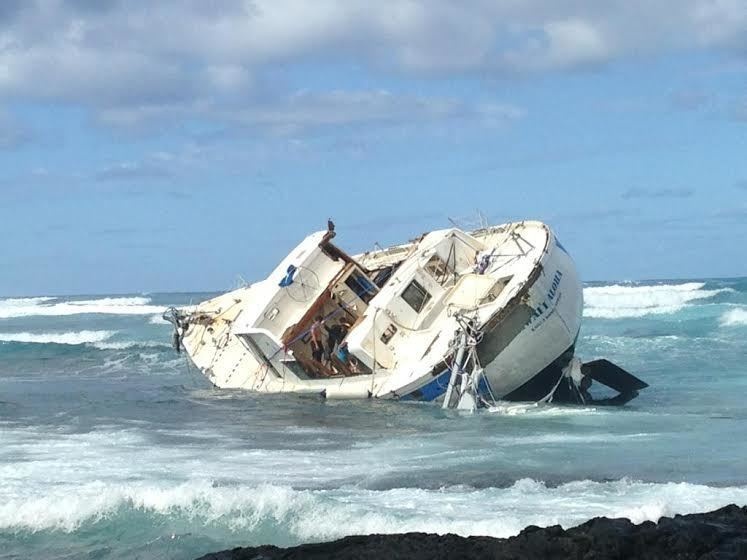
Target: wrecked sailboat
x=465, y=317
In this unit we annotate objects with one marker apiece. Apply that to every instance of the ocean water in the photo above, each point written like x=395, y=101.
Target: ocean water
x=112, y=447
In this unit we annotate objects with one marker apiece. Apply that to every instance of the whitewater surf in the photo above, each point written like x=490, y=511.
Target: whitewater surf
x=112, y=447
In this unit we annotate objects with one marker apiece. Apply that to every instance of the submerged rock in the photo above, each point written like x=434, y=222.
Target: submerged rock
x=717, y=535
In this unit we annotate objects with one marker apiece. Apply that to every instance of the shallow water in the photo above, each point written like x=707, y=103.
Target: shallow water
x=112, y=447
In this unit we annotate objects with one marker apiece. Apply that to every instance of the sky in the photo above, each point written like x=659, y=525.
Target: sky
x=183, y=145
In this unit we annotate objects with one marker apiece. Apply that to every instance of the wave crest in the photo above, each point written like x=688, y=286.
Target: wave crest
x=620, y=301
x=18, y=302
x=72, y=338
x=130, y=344
x=734, y=318
x=303, y=515
x=94, y=339
x=46, y=306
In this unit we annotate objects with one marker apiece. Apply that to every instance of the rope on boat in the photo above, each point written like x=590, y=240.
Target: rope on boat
x=373, y=332
x=465, y=379
x=464, y=391
x=548, y=398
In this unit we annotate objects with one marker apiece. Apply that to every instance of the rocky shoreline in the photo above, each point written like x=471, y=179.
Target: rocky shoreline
x=717, y=535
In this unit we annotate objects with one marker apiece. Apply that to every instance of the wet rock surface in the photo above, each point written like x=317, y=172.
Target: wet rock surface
x=717, y=535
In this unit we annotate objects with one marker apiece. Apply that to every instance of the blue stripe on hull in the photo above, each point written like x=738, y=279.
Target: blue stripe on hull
x=483, y=388
x=437, y=387
x=431, y=390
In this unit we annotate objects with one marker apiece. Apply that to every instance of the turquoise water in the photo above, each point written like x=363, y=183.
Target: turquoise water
x=111, y=447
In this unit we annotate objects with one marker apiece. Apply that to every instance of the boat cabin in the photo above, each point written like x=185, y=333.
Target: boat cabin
x=373, y=306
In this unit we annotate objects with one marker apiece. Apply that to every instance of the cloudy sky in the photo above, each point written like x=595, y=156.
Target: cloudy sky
x=175, y=145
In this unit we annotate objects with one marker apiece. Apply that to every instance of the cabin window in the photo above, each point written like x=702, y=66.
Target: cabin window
x=361, y=286
x=296, y=368
x=495, y=291
x=383, y=275
x=440, y=271
x=387, y=335
x=416, y=296
x=272, y=313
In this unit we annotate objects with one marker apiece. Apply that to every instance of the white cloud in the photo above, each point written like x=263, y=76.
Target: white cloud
x=228, y=78
x=664, y=192
x=561, y=44
x=721, y=22
x=306, y=109
x=132, y=62
x=129, y=171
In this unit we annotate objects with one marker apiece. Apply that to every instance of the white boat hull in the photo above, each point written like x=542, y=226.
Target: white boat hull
x=547, y=323
x=557, y=297
x=528, y=320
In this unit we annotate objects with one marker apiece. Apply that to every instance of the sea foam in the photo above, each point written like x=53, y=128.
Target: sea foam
x=20, y=302
x=31, y=307
x=621, y=301
x=305, y=515
x=77, y=337
x=734, y=318
x=129, y=344
x=158, y=320
x=505, y=408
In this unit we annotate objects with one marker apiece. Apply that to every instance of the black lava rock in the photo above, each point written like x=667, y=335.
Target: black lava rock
x=718, y=535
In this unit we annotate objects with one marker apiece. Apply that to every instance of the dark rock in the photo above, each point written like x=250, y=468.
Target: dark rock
x=718, y=535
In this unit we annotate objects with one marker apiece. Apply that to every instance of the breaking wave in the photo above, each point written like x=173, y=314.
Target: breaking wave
x=19, y=302
x=158, y=320
x=129, y=344
x=100, y=340
x=72, y=338
x=49, y=306
x=734, y=318
x=621, y=301
x=290, y=514
x=506, y=408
